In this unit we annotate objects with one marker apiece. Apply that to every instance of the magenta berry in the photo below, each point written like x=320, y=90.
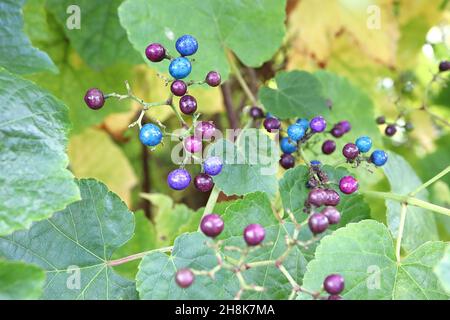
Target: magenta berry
x=256, y=112
x=94, y=98
x=254, y=234
x=350, y=151
x=344, y=125
x=213, y=78
x=318, y=223
x=211, y=225
x=203, y=182
x=184, y=278
x=188, y=104
x=334, y=284
x=155, y=52
x=317, y=197
x=287, y=161
x=390, y=130
x=337, y=132
x=348, y=185
x=272, y=124
x=205, y=130
x=328, y=146
x=318, y=124
x=193, y=144
x=179, y=179
x=178, y=88
x=332, y=198
x=332, y=214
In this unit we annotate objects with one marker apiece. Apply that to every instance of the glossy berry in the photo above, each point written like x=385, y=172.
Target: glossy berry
x=205, y=130
x=192, y=144
x=155, y=52
x=254, y=234
x=363, y=144
x=287, y=161
x=304, y=123
x=345, y=126
x=444, y=66
x=318, y=124
x=335, y=297
x=334, y=284
x=348, y=185
x=380, y=120
x=203, y=182
x=178, y=88
x=288, y=146
x=315, y=163
x=350, y=151
x=317, y=197
x=212, y=166
x=337, y=132
x=184, y=278
x=213, y=78
x=272, y=124
x=94, y=98
x=318, y=223
x=332, y=198
x=379, y=158
x=390, y=130
x=188, y=104
x=180, y=68
x=211, y=225
x=295, y=132
x=332, y=215
x=186, y=45
x=328, y=146
x=150, y=135
x=256, y=112
x=179, y=179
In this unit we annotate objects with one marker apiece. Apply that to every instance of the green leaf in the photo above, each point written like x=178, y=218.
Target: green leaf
x=420, y=224
x=250, y=164
x=298, y=94
x=74, y=246
x=16, y=51
x=155, y=279
x=20, y=281
x=101, y=41
x=363, y=253
x=442, y=270
x=240, y=26
x=34, y=179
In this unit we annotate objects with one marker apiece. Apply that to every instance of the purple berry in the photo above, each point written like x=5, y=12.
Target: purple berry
x=192, y=144
x=332, y=198
x=254, y=234
x=256, y=112
x=213, y=78
x=332, y=214
x=205, y=130
x=345, y=126
x=350, y=151
x=178, y=88
x=348, y=185
x=212, y=166
x=318, y=124
x=155, y=52
x=335, y=297
x=211, y=225
x=328, y=147
x=287, y=161
x=317, y=197
x=444, y=66
x=334, y=284
x=337, y=132
x=318, y=223
x=390, y=130
x=184, y=278
x=203, y=182
x=188, y=104
x=179, y=179
x=94, y=98
x=272, y=124
x=380, y=120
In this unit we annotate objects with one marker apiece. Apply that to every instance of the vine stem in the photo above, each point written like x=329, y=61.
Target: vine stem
x=137, y=256
x=401, y=227
x=240, y=78
x=431, y=181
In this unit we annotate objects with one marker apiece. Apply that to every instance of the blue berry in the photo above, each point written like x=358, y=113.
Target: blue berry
x=379, y=157
x=304, y=123
x=212, y=166
x=364, y=144
x=186, y=45
x=179, y=179
x=295, y=132
x=150, y=135
x=180, y=68
x=287, y=146
x=315, y=163
x=318, y=124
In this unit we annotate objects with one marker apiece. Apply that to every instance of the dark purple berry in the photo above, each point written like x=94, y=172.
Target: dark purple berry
x=328, y=146
x=179, y=179
x=213, y=78
x=256, y=112
x=188, y=104
x=332, y=214
x=94, y=98
x=317, y=197
x=254, y=234
x=337, y=132
x=287, y=161
x=184, y=278
x=345, y=126
x=332, y=198
x=334, y=284
x=380, y=120
x=350, y=151
x=318, y=223
x=335, y=297
x=203, y=182
x=390, y=130
x=444, y=66
x=178, y=88
x=272, y=124
x=205, y=130
x=155, y=52
x=348, y=185
x=211, y=225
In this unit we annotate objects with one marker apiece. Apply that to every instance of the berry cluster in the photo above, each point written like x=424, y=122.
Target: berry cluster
x=392, y=127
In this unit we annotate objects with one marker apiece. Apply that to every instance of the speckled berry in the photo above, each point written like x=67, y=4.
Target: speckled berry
x=186, y=45
x=350, y=151
x=328, y=146
x=363, y=144
x=179, y=179
x=205, y=130
x=332, y=214
x=295, y=132
x=212, y=166
x=287, y=145
x=188, y=104
x=332, y=198
x=379, y=158
x=180, y=68
x=348, y=185
x=213, y=78
x=94, y=98
x=178, y=88
x=334, y=284
x=272, y=124
x=318, y=124
x=254, y=234
x=155, y=52
x=317, y=197
x=150, y=135
x=184, y=278
x=304, y=123
x=203, y=182
x=211, y=225
x=318, y=223
x=287, y=161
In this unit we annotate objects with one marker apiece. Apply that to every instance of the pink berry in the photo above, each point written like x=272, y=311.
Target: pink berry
x=348, y=185
x=205, y=130
x=184, y=278
x=192, y=144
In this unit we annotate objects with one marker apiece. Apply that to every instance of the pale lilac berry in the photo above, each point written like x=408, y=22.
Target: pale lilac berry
x=205, y=130
x=192, y=144
x=184, y=278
